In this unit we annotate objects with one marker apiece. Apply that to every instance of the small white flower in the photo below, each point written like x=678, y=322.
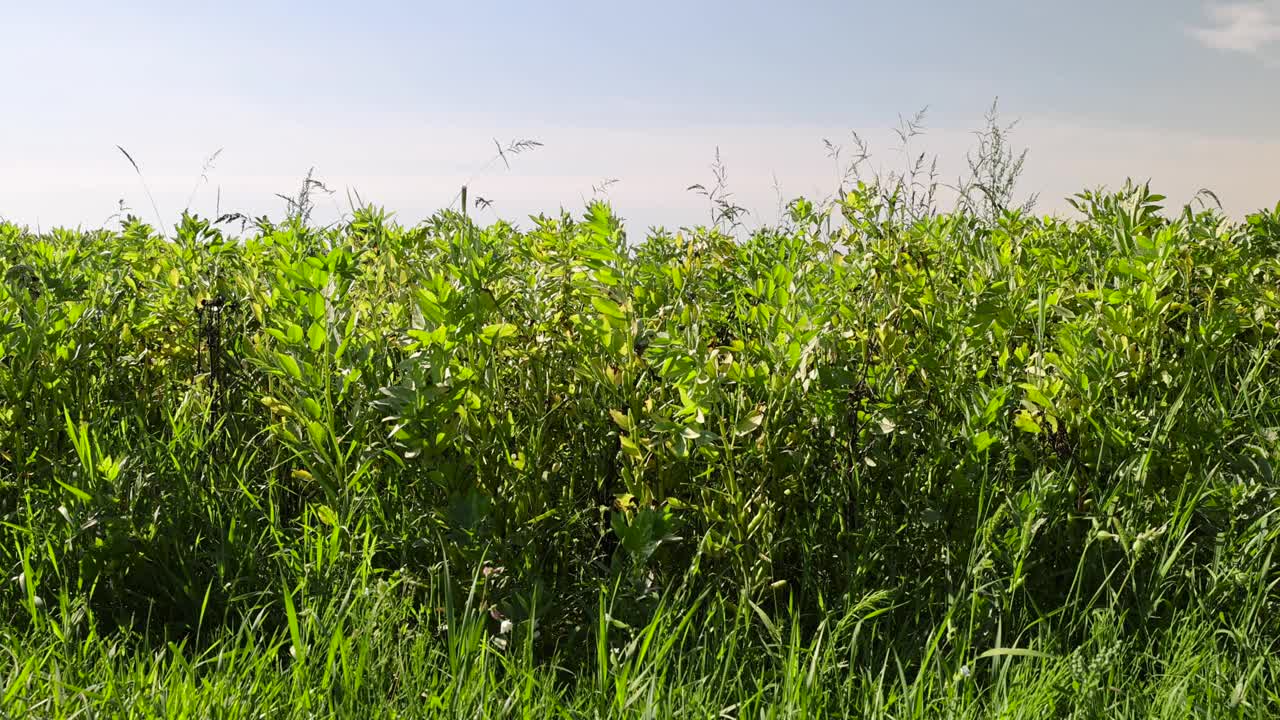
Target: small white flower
x=505, y=627
x=964, y=671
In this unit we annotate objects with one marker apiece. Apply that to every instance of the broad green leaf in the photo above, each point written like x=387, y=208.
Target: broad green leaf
x=1036, y=395
x=607, y=307
x=289, y=365
x=622, y=420
x=318, y=435
x=497, y=331
x=1024, y=422
x=317, y=306
x=749, y=424
x=312, y=407
x=316, y=336
x=992, y=410
x=982, y=441
x=629, y=447
x=327, y=515
x=679, y=446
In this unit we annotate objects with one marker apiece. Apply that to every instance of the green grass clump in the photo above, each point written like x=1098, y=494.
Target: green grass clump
x=865, y=463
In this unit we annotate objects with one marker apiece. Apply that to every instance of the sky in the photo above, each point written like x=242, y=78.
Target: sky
x=402, y=102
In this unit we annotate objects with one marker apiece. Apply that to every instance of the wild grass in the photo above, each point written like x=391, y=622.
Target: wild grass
x=877, y=461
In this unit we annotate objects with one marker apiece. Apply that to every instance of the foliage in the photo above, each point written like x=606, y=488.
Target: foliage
x=866, y=462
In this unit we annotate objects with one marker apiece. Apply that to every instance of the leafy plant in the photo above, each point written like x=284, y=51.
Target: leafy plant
x=882, y=459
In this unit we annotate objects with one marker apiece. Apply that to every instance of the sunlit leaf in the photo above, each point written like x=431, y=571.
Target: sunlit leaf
x=1024, y=422
x=607, y=307
x=749, y=424
x=621, y=420
x=289, y=365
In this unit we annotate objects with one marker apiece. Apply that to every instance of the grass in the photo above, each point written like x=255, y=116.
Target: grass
x=362, y=659
x=876, y=461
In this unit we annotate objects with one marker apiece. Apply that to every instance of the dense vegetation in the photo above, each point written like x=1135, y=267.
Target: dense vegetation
x=865, y=463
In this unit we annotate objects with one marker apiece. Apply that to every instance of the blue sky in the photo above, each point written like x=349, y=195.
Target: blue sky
x=402, y=100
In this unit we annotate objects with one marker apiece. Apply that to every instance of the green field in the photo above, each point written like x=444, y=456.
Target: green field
x=870, y=462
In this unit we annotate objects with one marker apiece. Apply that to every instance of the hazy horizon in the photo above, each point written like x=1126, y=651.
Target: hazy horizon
x=403, y=103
